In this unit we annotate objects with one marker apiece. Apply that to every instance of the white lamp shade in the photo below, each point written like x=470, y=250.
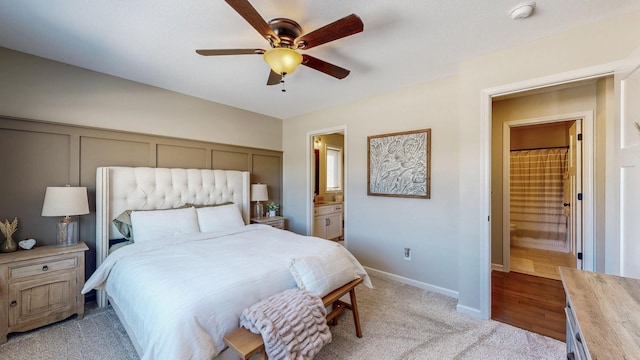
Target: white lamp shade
x=65, y=201
x=259, y=192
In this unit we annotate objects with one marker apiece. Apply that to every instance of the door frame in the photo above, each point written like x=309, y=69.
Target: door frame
x=588, y=184
x=621, y=255
x=486, y=96
x=310, y=175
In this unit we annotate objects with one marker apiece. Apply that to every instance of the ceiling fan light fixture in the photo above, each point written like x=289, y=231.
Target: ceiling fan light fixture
x=282, y=60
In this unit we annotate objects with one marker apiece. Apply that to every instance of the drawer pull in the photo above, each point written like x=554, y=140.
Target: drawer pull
x=45, y=268
x=13, y=303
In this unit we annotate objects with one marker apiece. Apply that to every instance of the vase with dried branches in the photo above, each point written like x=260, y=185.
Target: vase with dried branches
x=8, y=228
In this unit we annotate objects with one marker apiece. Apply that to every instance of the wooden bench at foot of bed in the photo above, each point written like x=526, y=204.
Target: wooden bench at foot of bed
x=333, y=298
x=246, y=344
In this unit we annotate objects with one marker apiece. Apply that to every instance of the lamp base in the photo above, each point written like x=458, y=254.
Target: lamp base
x=67, y=232
x=258, y=210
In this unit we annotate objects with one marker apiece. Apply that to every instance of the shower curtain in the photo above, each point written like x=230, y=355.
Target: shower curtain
x=537, y=196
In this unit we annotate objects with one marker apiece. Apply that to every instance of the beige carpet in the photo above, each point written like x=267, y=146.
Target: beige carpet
x=398, y=321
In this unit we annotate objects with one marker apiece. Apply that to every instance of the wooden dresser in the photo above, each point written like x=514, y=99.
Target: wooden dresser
x=40, y=286
x=603, y=315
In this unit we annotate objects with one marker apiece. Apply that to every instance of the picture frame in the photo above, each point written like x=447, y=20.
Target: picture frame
x=399, y=164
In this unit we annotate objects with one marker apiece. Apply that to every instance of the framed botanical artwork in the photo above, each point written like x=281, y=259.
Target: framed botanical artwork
x=399, y=164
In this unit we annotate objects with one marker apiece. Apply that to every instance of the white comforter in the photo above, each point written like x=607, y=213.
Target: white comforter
x=181, y=296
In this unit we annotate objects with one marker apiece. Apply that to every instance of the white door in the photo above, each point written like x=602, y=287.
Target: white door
x=575, y=188
x=628, y=86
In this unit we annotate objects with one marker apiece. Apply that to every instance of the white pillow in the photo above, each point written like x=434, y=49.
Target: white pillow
x=322, y=273
x=219, y=218
x=150, y=225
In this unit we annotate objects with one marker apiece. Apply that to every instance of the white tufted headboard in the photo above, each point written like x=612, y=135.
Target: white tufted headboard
x=143, y=188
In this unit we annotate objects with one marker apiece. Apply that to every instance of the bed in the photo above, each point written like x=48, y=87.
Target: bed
x=177, y=296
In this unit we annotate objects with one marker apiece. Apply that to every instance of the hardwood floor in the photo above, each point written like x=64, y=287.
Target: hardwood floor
x=529, y=302
x=531, y=296
x=540, y=262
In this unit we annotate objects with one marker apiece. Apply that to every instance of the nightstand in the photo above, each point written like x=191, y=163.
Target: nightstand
x=40, y=286
x=275, y=221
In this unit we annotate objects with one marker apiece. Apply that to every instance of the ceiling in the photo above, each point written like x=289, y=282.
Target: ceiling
x=403, y=43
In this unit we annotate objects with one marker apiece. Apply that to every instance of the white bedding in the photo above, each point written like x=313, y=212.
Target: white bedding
x=220, y=274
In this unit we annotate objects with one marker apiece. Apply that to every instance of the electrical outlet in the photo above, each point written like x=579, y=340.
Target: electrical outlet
x=407, y=254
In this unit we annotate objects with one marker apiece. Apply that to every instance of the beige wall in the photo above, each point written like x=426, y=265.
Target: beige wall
x=540, y=136
x=550, y=103
x=379, y=228
x=40, y=89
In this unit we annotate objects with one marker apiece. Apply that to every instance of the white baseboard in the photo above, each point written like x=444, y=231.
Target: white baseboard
x=497, y=267
x=469, y=311
x=416, y=283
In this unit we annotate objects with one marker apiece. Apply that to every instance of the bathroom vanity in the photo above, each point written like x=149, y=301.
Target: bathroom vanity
x=327, y=220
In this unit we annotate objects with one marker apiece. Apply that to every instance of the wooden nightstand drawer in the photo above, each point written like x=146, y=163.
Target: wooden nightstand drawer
x=40, y=268
x=277, y=222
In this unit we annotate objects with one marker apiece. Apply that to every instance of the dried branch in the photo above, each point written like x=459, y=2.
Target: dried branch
x=9, y=228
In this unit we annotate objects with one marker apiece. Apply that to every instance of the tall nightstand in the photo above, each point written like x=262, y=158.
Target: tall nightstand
x=40, y=286
x=275, y=221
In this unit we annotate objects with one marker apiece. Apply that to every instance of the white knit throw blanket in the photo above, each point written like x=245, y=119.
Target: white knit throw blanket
x=292, y=323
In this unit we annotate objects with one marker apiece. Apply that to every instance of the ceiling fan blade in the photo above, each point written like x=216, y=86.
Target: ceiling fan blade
x=338, y=29
x=325, y=67
x=251, y=15
x=218, y=52
x=274, y=78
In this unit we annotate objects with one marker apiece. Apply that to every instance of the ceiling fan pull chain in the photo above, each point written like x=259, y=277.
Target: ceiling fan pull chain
x=282, y=82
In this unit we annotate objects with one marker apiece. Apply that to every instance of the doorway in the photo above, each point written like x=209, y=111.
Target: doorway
x=542, y=212
x=327, y=176
x=534, y=121
x=538, y=116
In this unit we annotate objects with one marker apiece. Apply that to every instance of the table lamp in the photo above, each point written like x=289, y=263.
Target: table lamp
x=259, y=193
x=66, y=201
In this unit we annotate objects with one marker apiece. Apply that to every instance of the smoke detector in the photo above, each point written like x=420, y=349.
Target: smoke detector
x=522, y=10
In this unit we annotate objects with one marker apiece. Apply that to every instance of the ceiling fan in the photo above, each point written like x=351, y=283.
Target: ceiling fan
x=285, y=37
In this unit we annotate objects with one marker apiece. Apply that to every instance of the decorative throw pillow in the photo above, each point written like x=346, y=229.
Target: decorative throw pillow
x=322, y=273
x=123, y=221
x=150, y=225
x=219, y=218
